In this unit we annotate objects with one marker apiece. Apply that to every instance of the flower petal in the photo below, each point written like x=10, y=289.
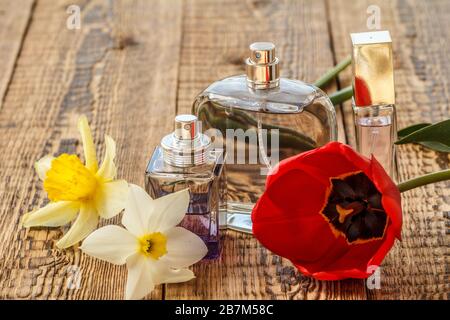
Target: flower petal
x=391, y=200
x=111, y=243
x=88, y=144
x=168, y=211
x=54, y=214
x=163, y=274
x=108, y=169
x=140, y=277
x=184, y=248
x=85, y=223
x=143, y=214
x=317, y=163
x=43, y=165
x=111, y=197
x=137, y=208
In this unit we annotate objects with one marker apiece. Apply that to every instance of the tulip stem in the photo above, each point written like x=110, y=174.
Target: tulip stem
x=423, y=180
x=333, y=72
x=341, y=95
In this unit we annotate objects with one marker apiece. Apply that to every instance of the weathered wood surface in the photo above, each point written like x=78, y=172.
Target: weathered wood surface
x=133, y=65
x=14, y=21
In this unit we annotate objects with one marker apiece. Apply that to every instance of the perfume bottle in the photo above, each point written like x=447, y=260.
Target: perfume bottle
x=260, y=119
x=374, y=96
x=186, y=159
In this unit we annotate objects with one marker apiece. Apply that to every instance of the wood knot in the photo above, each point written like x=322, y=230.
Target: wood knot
x=260, y=3
x=121, y=42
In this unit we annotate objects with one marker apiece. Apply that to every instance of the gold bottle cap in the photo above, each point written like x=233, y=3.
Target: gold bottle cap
x=262, y=66
x=373, y=68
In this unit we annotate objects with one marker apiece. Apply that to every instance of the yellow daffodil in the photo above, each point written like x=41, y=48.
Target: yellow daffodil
x=77, y=191
x=154, y=249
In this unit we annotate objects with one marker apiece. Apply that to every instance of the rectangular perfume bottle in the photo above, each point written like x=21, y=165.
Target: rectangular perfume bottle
x=185, y=160
x=374, y=96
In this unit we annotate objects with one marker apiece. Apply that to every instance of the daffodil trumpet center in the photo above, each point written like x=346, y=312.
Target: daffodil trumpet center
x=153, y=245
x=69, y=180
x=354, y=209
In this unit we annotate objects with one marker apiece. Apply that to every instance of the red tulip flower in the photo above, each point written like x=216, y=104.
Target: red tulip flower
x=334, y=213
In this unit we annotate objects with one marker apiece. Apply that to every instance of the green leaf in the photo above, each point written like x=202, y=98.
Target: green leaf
x=436, y=146
x=435, y=136
x=408, y=130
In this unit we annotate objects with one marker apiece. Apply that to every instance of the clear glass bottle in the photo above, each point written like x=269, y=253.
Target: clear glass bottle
x=260, y=119
x=374, y=96
x=186, y=159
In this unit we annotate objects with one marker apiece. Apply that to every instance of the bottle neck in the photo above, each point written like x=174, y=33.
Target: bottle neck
x=263, y=85
x=263, y=75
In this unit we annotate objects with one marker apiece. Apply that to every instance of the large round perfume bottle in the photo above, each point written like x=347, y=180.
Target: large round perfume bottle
x=261, y=119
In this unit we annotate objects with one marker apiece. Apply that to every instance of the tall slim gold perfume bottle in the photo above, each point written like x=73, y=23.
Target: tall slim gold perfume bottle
x=374, y=96
x=260, y=118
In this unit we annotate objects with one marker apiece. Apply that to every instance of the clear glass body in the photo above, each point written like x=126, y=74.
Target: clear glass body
x=207, y=189
x=375, y=129
x=260, y=127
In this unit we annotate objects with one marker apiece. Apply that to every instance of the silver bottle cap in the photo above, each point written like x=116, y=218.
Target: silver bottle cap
x=186, y=146
x=263, y=70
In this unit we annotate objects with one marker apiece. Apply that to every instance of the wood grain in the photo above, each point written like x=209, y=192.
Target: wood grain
x=417, y=268
x=133, y=65
x=215, y=44
x=120, y=69
x=14, y=21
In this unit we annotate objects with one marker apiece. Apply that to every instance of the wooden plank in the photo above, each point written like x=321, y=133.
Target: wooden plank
x=216, y=36
x=417, y=268
x=14, y=19
x=120, y=69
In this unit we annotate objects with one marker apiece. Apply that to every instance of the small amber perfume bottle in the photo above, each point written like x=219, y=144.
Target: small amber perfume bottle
x=186, y=159
x=374, y=96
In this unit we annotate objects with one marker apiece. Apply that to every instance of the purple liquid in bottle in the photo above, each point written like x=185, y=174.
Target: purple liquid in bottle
x=200, y=220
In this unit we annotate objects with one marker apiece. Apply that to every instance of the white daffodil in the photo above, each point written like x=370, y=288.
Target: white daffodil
x=77, y=191
x=153, y=247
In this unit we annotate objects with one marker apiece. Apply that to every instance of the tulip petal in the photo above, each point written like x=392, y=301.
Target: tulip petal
x=138, y=207
x=140, y=277
x=184, y=248
x=168, y=211
x=85, y=223
x=391, y=198
x=43, y=165
x=54, y=214
x=108, y=169
x=322, y=163
x=110, y=243
x=111, y=198
x=88, y=144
